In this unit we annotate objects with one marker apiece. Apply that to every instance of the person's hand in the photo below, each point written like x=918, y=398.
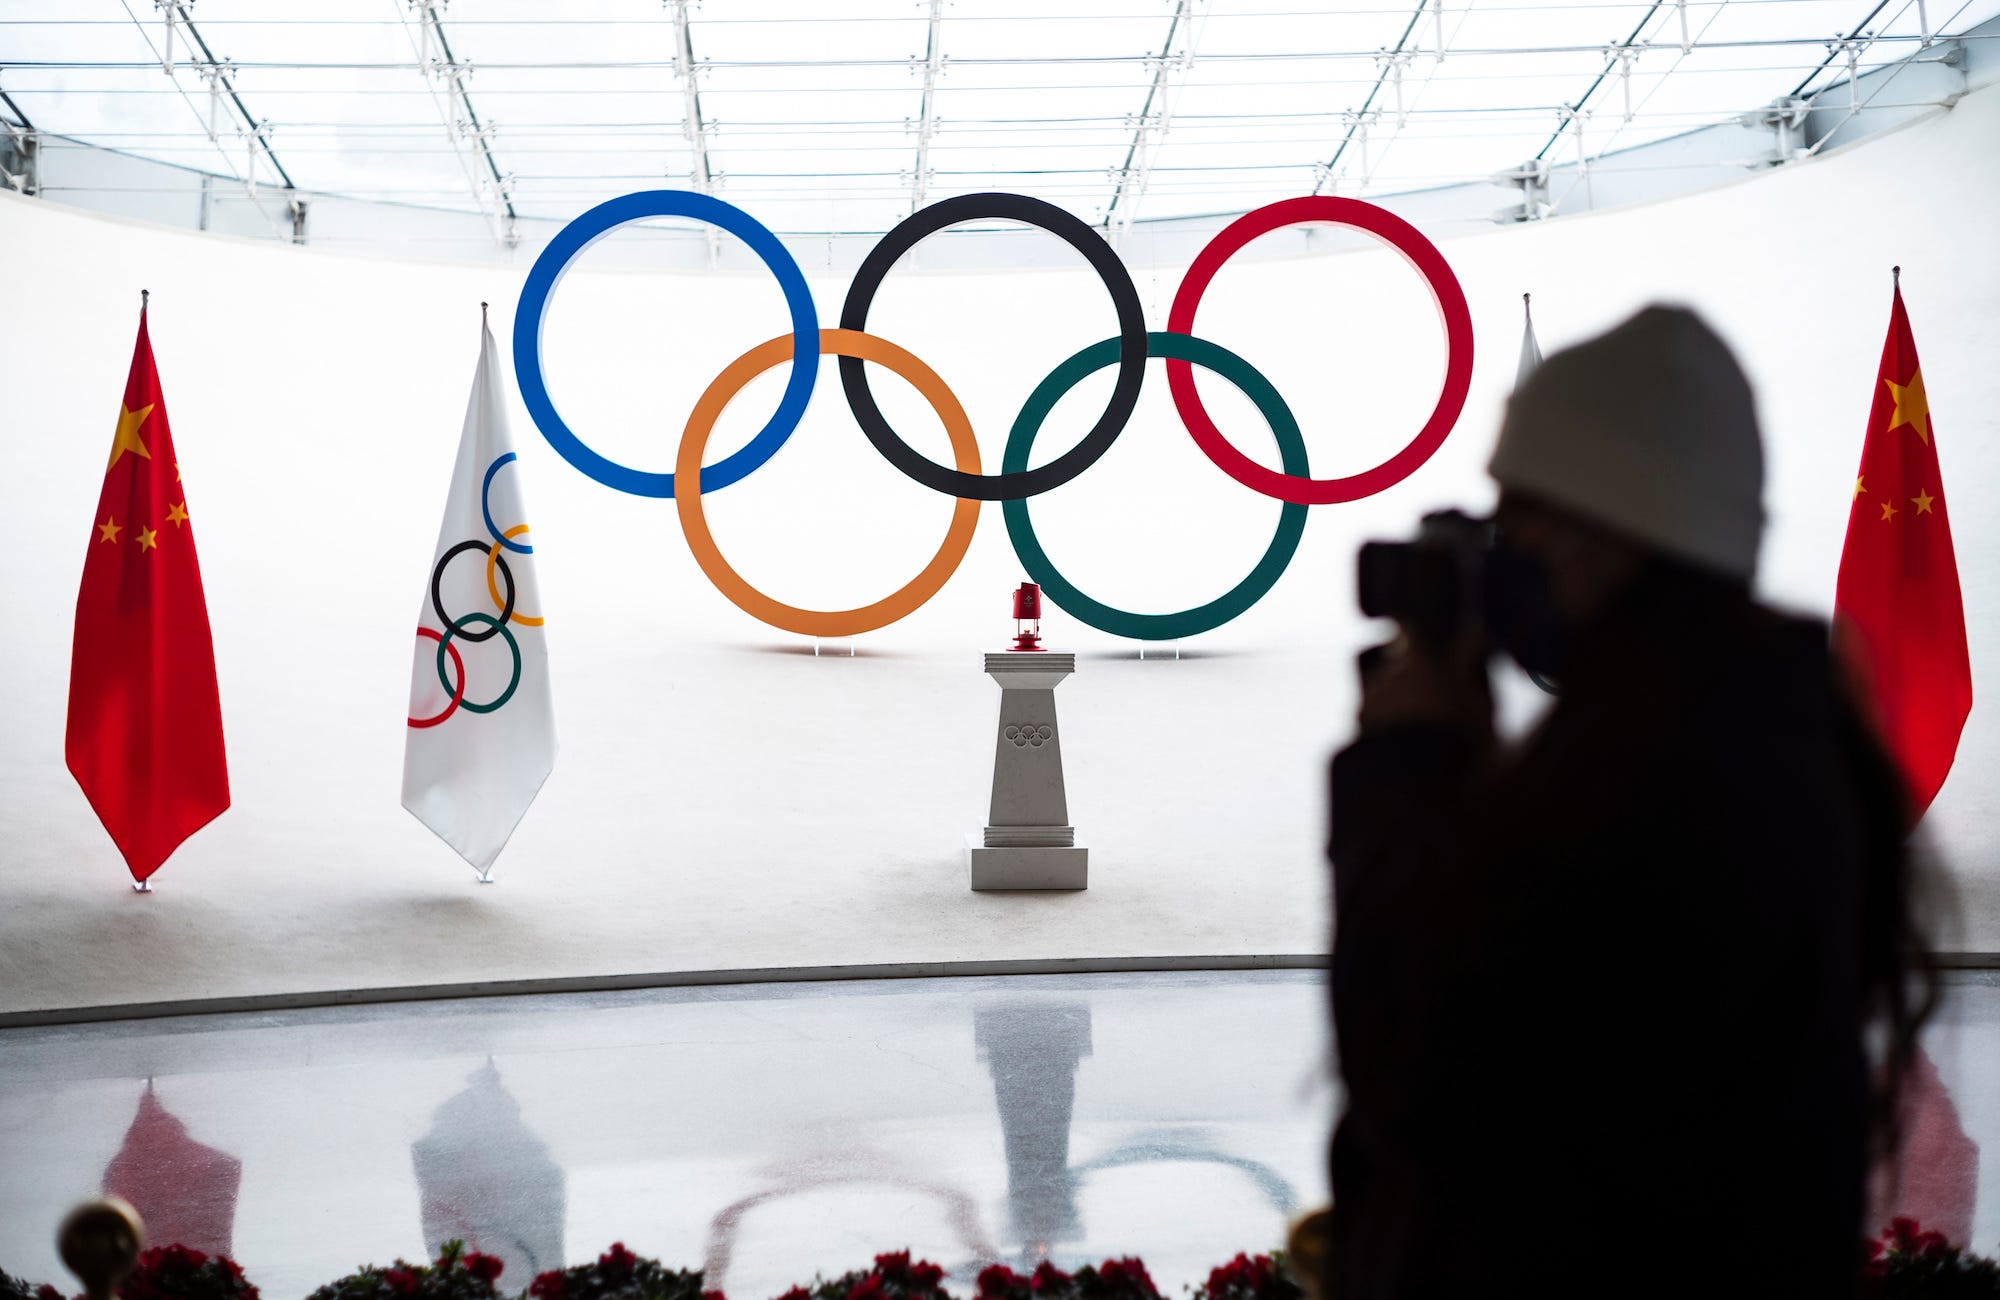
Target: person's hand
x=1407, y=684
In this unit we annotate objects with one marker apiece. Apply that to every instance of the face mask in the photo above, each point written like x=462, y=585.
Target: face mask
x=1521, y=612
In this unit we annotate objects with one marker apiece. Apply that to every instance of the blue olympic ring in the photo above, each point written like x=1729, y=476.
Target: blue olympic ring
x=593, y=226
x=486, y=510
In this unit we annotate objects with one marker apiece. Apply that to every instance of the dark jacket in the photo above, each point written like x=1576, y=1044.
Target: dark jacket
x=1598, y=1001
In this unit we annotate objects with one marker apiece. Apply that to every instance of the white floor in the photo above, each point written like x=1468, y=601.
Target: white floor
x=771, y=809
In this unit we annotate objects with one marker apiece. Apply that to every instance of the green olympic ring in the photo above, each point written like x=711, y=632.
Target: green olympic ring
x=513, y=645
x=1118, y=622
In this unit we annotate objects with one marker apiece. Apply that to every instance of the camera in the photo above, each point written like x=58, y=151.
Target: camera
x=1435, y=586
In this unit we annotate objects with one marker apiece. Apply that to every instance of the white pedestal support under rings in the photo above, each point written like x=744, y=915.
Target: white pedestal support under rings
x=1028, y=842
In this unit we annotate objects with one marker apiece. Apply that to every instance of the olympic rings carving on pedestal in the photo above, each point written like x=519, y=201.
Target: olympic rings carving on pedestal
x=809, y=622
x=1129, y=349
x=1188, y=622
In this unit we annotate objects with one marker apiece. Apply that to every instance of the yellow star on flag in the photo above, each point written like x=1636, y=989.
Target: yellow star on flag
x=127, y=437
x=108, y=530
x=1888, y=512
x=146, y=542
x=1912, y=407
x=1922, y=501
x=177, y=513
x=1857, y=484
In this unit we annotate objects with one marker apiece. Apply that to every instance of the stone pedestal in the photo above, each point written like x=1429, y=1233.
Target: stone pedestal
x=1028, y=842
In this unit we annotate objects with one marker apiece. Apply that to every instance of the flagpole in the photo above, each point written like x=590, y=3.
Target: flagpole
x=1896, y=277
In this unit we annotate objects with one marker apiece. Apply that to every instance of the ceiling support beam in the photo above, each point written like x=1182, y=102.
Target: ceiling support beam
x=927, y=122
x=1156, y=115
x=492, y=188
x=1390, y=62
x=693, y=125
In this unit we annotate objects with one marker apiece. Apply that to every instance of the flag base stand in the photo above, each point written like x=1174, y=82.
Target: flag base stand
x=485, y=877
x=142, y=886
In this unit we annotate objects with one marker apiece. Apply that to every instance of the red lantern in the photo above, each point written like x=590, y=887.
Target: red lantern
x=1027, y=617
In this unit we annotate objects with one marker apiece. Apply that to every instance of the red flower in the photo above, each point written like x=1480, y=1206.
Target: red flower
x=1131, y=1272
x=796, y=1293
x=618, y=1260
x=401, y=1281
x=997, y=1280
x=47, y=1292
x=893, y=1264
x=868, y=1288
x=713, y=1295
x=1047, y=1277
x=547, y=1286
x=926, y=1274
x=485, y=1267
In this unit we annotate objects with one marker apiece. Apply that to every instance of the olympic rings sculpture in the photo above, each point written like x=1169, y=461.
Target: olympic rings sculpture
x=1177, y=346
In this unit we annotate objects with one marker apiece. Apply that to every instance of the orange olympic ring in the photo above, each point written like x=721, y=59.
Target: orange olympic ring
x=694, y=523
x=493, y=587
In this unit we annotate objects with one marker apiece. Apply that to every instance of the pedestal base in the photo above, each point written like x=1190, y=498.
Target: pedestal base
x=1015, y=867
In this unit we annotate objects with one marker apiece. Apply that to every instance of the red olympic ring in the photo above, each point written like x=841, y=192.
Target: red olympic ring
x=1421, y=254
x=458, y=695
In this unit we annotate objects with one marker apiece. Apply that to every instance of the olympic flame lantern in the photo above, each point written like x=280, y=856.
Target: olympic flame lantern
x=1027, y=617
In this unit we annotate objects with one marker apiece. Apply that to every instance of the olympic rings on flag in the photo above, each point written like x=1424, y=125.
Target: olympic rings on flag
x=694, y=523
x=1129, y=349
x=457, y=692
x=1420, y=253
x=437, y=596
x=492, y=557
x=1022, y=482
x=592, y=226
x=486, y=513
x=457, y=629
x=1201, y=618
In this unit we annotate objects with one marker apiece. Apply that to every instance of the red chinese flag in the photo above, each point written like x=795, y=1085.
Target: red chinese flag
x=145, y=723
x=1897, y=611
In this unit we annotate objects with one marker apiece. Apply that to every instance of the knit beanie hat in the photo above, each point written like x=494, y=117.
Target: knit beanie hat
x=1649, y=430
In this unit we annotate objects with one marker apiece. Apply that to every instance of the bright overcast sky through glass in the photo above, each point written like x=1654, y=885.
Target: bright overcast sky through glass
x=843, y=115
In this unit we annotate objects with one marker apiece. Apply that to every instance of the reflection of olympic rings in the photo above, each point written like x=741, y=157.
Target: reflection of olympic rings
x=437, y=595
x=492, y=558
x=809, y=622
x=1019, y=481
x=1188, y=622
x=1016, y=481
x=486, y=513
x=587, y=230
x=457, y=629
x=1421, y=253
x=457, y=692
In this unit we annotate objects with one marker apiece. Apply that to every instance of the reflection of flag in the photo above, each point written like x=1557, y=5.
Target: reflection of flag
x=184, y=1192
x=144, y=738
x=1934, y=1178
x=1531, y=351
x=484, y=1179
x=1897, y=609
x=482, y=731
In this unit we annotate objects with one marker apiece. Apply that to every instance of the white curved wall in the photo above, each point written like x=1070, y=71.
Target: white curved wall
x=316, y=401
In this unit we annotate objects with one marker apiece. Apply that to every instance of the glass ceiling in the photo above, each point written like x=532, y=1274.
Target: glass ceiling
x=843, y=115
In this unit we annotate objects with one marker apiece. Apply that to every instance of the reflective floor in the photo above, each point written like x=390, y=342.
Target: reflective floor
x=766, y=1132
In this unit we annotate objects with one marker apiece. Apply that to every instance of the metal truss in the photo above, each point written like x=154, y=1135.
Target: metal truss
x=1149, y=129
x=492, y=189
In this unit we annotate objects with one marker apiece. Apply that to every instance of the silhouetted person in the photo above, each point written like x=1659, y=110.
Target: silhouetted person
x=1601, y=998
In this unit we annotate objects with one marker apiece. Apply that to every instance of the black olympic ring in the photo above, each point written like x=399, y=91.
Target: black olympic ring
x=437, y=599
x=1131, y=346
